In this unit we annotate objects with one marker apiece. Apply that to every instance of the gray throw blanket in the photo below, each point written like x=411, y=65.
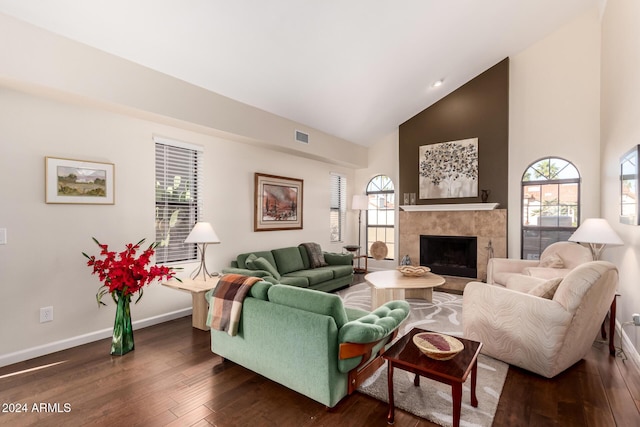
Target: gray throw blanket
x=316, y=257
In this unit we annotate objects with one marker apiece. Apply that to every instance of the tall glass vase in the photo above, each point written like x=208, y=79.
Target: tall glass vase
x=122, y=341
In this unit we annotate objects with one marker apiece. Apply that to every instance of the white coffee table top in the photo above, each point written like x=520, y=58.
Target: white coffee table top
x=393, y=279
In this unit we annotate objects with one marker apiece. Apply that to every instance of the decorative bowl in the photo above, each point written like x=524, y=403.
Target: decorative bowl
x=413, y=271
x=437, y=346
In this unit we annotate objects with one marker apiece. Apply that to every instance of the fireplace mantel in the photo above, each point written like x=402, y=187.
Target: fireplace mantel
x=451, y=207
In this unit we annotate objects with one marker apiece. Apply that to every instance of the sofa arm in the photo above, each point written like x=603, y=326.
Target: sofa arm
x=375, y=325
x=333, y=258
x=362, y=341
x=362, y=338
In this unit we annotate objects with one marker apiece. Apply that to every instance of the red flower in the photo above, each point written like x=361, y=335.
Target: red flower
x=123, y=273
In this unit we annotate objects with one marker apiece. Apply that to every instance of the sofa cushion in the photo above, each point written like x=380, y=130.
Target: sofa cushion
x=260, y=290
x=288, y=259
x=315, y=276
x=309, y=300
x=265, y=265
x=301, y=282
x=341, y=270
x=546, y=289
x=241, y=259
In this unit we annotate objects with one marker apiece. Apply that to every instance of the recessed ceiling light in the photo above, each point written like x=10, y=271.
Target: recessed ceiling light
x=437, y=83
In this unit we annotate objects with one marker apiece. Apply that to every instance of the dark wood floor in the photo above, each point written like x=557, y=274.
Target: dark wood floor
x=172, y=378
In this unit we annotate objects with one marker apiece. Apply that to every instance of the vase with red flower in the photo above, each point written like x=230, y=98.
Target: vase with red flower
x=122, y=275
x=122, y=340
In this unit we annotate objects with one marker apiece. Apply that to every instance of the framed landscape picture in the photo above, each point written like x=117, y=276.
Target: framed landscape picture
x=78, y=181
x=278, y=203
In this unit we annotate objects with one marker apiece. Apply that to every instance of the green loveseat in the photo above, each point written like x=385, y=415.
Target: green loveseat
x=308, y=341
x=291, y=266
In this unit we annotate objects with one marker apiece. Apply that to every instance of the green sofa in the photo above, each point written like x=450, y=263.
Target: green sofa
x=308, y=341
x=291, y=266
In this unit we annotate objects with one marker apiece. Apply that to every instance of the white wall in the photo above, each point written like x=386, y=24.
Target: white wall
x=42, y=264
x=62, y=99
x=620, y=132
x=554, y=110
x=382, y=160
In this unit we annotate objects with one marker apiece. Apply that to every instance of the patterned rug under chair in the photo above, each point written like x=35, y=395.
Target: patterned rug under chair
x=432, y=400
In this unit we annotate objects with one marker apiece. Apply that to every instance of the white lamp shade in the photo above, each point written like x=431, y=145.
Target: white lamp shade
x=202, y=232
x=598, y=231
x=360, y=202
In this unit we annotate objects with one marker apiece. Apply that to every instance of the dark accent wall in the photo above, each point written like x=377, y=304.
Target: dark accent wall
x=479, y=109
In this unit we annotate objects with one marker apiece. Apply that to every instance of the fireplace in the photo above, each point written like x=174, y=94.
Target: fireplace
x=450, y=255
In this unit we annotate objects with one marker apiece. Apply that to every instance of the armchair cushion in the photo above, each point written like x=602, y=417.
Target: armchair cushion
x=539, y=287
x=522, y=282
x=546, y=289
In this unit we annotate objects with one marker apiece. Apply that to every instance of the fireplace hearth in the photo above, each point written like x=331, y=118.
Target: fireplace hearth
x=450, y=255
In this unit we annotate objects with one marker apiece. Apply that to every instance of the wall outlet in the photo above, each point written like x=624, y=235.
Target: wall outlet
x=46, y=314
x=636, y=319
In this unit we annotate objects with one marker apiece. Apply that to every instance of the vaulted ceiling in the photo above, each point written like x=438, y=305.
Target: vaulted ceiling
x=355, y=69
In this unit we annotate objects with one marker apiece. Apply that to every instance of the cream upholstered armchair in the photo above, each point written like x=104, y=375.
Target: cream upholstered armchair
x=557, y=260
x=540, y=328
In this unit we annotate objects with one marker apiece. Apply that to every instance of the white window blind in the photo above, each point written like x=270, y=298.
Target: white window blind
x=178, y=198
x=338, y=207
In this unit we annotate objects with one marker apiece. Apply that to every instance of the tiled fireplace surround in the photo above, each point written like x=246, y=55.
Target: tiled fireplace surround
x=486, y=225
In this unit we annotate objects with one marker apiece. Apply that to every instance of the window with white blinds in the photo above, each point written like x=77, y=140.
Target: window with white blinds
x=178, y=200
x=338, y=207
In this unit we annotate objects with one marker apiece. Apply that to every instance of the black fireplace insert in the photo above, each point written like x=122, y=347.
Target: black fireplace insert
x=450, y=255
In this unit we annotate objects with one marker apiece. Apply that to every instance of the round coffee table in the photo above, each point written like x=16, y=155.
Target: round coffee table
x=389, y=285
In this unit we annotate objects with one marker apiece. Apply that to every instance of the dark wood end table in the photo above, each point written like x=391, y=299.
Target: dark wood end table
x=406, y=356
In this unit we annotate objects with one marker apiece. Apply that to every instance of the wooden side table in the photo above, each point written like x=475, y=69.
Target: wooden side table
x=405, y=355
x=199, y=303
x=612, y=326
x=358, y=269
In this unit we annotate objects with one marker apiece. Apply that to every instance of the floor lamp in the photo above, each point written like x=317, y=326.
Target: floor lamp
x=360, y=203
x=202, y=234
x=597, y=233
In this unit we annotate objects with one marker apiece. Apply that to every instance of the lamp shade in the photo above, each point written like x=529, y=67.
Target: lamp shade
x=360, y=202
x=202, y=232
x=598, y=231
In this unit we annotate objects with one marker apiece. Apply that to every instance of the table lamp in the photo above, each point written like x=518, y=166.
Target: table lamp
x=597, y=233
x=202, y=234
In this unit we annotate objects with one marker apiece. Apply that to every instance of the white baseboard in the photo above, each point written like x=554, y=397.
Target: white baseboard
x=41, y=350
x=629, y=350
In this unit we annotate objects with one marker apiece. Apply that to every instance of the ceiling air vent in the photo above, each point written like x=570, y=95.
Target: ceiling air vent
x=302, y=137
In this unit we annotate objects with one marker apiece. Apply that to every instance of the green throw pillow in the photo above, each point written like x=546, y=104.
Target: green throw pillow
x=263, y=264
x=249, y=262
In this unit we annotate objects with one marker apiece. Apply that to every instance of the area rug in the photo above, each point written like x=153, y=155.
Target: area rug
x=432, y=400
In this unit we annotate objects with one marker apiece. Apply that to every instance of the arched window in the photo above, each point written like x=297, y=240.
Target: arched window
x=381, y=213
x=550, y=204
